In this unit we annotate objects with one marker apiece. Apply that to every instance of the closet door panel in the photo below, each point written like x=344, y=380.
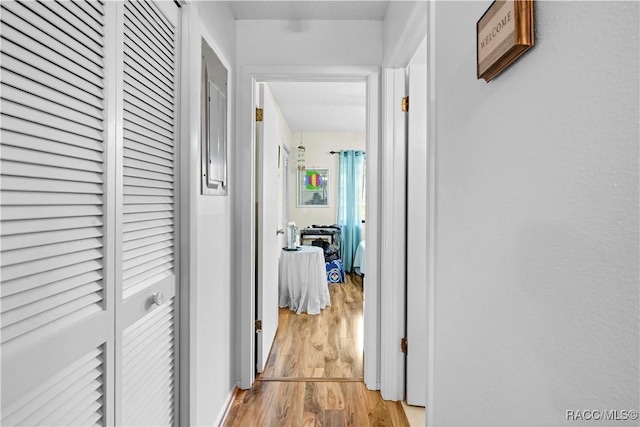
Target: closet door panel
x=148, y=366
x=56, y=326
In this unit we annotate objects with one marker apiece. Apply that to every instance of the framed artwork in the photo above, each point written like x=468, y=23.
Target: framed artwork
x=313, y=188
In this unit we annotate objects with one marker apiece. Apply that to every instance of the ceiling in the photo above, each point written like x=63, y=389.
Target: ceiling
x=315, y=106
x=322, y=106
x=309, y=9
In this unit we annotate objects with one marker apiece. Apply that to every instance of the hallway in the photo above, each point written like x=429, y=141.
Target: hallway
x=128, y=289
x=314, y=373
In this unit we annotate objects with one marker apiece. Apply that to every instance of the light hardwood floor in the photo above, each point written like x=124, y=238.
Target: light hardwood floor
x=314, y=373
x=328, y=345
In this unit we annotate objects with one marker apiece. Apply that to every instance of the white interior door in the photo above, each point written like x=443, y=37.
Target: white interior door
x=146, y=332
x=268, y=242
x=417, y=240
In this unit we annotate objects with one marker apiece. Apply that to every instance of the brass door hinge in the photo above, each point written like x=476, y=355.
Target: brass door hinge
x=259, y=114
x=405, y=104
x=403, y=345
x=258, y=326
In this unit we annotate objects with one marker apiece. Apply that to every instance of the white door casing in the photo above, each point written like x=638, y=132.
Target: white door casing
x=245, y=224
x=268, y=241
x=87, y=212
x=417, y=238
x=393, y=237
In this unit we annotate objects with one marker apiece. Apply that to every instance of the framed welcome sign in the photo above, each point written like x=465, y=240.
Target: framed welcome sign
x=504, y=33
x=313, y=188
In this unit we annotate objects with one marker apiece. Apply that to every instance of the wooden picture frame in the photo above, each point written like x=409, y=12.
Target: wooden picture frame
x=503, y=33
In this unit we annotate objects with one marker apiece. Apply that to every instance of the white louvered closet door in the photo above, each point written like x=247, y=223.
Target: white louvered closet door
x=88, y=267
x=147, y=332
x=56, y=313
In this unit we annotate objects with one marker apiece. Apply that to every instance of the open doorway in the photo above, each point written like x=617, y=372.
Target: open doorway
x=322, y=127
x=370, y=331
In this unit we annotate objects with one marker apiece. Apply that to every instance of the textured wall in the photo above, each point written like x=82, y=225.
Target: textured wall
x=210, y=228
x=537, y=219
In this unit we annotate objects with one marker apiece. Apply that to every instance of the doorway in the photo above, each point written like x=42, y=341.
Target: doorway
x=251, y=76
x=323, y=342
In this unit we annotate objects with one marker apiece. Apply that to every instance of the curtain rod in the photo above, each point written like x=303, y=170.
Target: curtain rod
x=338, y=152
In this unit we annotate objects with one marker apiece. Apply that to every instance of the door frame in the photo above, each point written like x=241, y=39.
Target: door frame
x=245, y=220
x=393, y=305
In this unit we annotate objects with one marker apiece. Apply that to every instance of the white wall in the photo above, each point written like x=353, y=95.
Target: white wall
x=209, y=230
x=536, y=290
x=317, y=147
x=272, y=42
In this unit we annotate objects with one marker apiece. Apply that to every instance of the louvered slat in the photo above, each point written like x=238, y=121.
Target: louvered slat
x=145, y=241
x=162, y=27
x=139, y=18
x=93, y=20
x=141, y=96
x=13, y=48
x=148, y=158
x=14, y=72
x=132, y=209
x=29, y=296
x=36, y=239
x=46, y=251
x=148, y=368
x=52, y=170
x=16, y=148
x=15, y=34
x=46, y=20
x=80, y=382
x=24, y=212
x=50, y=35
x=141, y=173
x=31, y=93
x=78, y=25
x=55, y=97
x=149, y=215
x=37, y=225
x=46, y=147
x=65, y=273
x=47, y=199
x=35, y=114
x=41, y=171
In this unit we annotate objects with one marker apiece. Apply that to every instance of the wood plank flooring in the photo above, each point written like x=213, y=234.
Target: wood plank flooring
x=313, y=404
x=328, y=345
x=314, y=373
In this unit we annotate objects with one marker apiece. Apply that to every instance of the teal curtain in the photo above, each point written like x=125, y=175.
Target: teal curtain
x=350, y=193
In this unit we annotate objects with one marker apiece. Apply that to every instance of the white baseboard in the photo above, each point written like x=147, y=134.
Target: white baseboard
x=226, y=407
